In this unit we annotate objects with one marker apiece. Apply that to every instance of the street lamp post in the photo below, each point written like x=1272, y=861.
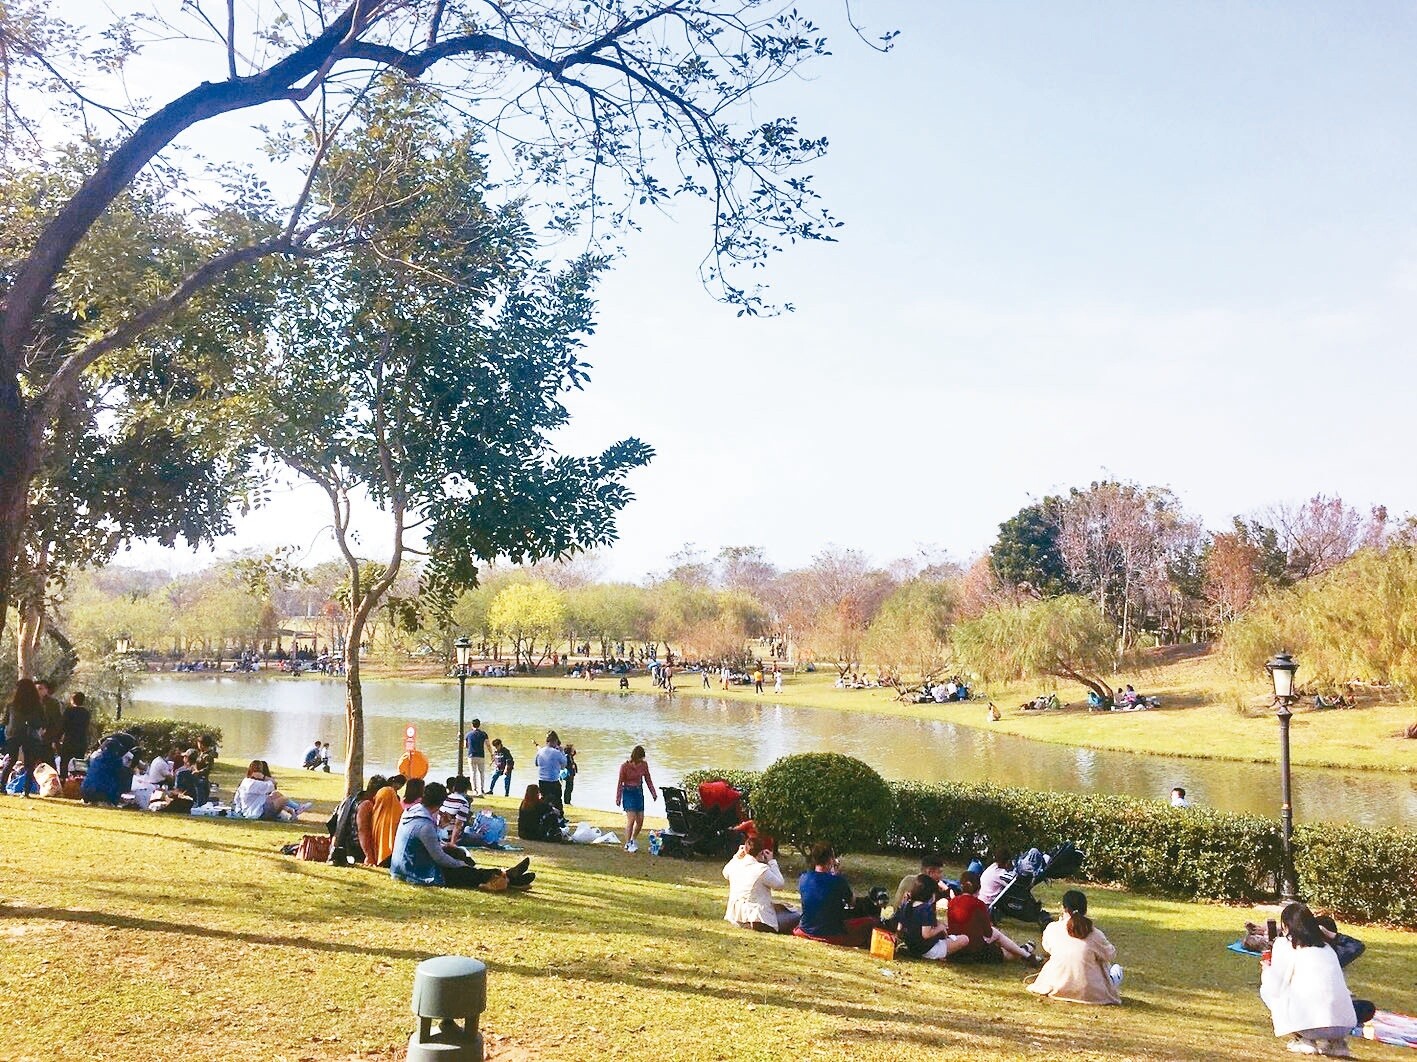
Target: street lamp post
x=1281, y=672
x=121, y=646
x=464, y=648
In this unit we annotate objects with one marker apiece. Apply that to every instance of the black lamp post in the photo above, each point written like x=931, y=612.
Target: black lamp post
x=464, y=648
x=121, y=646
x=1281, y=672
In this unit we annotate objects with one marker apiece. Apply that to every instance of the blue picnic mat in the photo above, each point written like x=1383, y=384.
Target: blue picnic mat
x=1239, y=949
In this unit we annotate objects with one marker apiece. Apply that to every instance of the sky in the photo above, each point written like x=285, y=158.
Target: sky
x=1172, y=243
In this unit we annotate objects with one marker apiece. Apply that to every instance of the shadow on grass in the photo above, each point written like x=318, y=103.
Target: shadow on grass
x=151, y=925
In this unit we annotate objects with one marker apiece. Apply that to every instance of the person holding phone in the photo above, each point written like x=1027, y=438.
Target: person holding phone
x=1302, y=984
x=752, y=874
x=827, y=901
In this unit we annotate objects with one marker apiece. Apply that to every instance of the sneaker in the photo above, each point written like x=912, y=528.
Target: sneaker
x=630, y=846
x=1300, y=1046
x=522, y=882
x=1115, y=973
x=1335, y=1048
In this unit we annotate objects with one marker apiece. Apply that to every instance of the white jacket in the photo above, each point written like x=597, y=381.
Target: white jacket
x=750, y=885
x=1304, y=989
x=249, y=801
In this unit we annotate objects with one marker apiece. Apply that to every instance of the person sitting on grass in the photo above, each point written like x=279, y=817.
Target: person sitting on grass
x=364, y=820
x=412, y=792
x=932, y=865
x=752, y=874
x=387, y=811
x=1081, y=966
x=996, y=876
x=968, y=915
x=1304, y=989
x=188, y=781
x=919, y=923
x=826, y=900
x=257, y=797
x=537, y=818
x=108, y=773
x=312, y=757
x=456, y=811
x=421, y=858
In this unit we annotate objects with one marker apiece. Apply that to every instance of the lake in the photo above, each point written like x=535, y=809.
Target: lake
x=276, y=718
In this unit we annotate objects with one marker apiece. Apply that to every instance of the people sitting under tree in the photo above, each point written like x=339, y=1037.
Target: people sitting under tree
x=421, y=858
x=258, y=798
x=932, y=865
x=830, y=913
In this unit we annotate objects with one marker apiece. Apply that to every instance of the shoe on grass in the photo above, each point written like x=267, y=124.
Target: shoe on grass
x=1335, y=1048
x=632, y=847
x=1300, y=1046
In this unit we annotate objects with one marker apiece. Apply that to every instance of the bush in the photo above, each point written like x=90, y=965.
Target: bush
x=1358, y=872
x=158, y=735
x=823, y=796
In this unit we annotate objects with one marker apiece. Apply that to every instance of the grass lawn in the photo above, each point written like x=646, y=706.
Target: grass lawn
x=136, y=936
x=1200, y=716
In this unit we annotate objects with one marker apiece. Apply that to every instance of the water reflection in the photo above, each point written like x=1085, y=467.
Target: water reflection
x=277, y=718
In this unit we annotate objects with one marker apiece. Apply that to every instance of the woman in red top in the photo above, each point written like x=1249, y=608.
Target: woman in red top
x=630, y=794
x=968, y=915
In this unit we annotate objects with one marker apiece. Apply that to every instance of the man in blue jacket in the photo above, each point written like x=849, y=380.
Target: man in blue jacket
x=421, y=858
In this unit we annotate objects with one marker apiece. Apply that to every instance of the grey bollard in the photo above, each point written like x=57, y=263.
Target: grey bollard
x=451, y=991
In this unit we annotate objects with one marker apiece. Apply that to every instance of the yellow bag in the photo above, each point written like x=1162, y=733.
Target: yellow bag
x=883, y=944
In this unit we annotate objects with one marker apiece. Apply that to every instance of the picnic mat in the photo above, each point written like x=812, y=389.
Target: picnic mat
x=1387, y=1027
x=1239, y=949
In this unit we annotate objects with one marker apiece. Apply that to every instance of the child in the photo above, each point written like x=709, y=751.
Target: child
x=569, y=774
x=457, y=807
x=502, y=764
x=323, y=760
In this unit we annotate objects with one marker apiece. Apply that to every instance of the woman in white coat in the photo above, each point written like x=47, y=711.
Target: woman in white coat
x=752, y=874
x=1303, y=987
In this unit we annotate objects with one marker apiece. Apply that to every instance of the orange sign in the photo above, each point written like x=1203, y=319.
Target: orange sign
x=410, y=738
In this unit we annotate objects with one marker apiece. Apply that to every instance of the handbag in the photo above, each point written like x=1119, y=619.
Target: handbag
x=314, y=848
x=883, y=944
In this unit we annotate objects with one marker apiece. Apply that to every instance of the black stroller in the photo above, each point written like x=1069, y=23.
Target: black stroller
x=1017, y=900
x=697, y=831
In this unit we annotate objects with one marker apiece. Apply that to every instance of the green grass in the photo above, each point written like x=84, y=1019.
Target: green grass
x=143, y=936
x=1201, y=715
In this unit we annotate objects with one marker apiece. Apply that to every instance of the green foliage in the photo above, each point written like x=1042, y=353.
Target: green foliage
x=823, y=796
x=158, y=735
x=1026, y=551
x=1357, y=621
x=911, y=633
x=743, y=781
x=528, y=613
x=1062, y=637
x=1357, y=872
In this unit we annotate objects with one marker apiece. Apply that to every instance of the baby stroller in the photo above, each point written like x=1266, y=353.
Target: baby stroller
x=705, y=830
x=1017, y=900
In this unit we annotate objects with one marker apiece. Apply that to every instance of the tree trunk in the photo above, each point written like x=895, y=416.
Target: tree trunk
x=353, y=709
x=27, y=638
x=18, y=462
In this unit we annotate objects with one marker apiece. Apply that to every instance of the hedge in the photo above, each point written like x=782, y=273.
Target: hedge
x=1353, y=871
x=158, y=735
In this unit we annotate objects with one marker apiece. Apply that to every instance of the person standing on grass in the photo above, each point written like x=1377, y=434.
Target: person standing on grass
x=75, y=740
x=776, y=679
x=758, y=680
x=630, y=794
x=476, y=742
x=502, y=763
x=24, y=726
x=550, y=762
x=53, y=713
x=570, y=772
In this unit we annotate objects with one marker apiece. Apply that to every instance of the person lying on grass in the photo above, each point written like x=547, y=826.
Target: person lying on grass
x=968, y=915
x=752, y=874
x=421, y=858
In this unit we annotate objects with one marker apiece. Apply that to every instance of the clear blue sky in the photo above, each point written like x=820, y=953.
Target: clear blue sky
x=1171, y=242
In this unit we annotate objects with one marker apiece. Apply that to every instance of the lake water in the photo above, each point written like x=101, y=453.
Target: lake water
x=277, y=718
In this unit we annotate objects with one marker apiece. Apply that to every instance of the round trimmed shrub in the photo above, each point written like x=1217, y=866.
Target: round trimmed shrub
x=823, y=796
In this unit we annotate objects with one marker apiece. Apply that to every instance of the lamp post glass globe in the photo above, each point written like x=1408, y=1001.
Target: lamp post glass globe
x=464, y=648
x=1281, y=672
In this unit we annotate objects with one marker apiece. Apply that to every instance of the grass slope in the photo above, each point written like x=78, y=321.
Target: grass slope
x=136, y=936
x=1205, y=713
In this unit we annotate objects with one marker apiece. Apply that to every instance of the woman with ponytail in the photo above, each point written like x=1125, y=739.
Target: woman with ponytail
x=1081, y=966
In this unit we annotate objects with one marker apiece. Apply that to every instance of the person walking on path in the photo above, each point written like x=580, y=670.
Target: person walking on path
x=630, y=794
x=550, y=762
x=776, y=679
x=476, y=742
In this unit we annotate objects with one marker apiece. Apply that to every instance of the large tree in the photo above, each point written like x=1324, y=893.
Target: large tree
x=1064, y=637
x=425, y=367
x=601, y=106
